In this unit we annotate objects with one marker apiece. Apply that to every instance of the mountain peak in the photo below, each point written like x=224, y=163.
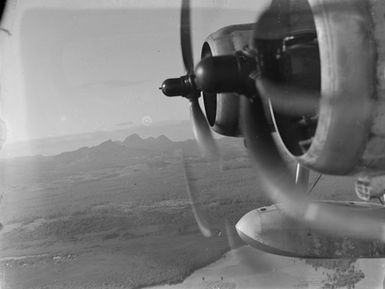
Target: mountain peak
x=133, y=139
x=163, y=139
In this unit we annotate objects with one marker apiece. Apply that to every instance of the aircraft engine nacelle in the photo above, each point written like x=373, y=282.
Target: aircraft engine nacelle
x=349, y=134
x=269, y=229
x=346, y=62
x=222, y=109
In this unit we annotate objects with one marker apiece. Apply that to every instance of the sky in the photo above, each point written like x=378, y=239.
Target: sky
x=80, y=66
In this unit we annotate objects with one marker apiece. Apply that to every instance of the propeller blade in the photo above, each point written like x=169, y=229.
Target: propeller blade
x=201, y=128
x=185, y=37
x=200, y=219
x=202, y=132
x=289, y=100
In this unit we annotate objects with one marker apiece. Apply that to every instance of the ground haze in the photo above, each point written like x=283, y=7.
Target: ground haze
x=117, y=215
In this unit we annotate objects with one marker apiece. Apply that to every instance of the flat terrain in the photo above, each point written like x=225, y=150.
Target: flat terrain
x=271, y=271
x=117, y=215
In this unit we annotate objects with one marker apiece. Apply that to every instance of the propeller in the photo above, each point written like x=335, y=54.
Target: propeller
x=185, y=37
x=199, y=216
x=232, y=73
x=202, y=132
x=224, y=73
x=186, y=86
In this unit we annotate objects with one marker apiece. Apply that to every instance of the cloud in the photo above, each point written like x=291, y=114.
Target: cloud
x=123, y=124
x=149, y=4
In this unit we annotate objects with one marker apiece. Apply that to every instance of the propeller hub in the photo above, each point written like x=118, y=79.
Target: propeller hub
x=218, y=74
x=182, y=86
x=215, y=74
x=226, y=73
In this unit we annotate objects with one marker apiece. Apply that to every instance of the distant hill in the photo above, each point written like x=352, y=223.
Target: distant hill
x=133, y=151
x=134, y=147
x=173, y=130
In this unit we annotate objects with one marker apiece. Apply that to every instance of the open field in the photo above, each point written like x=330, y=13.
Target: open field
x=108, y=220
x=116, y=216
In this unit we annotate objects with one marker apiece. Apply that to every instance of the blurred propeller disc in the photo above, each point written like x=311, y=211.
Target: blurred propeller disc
x=200, y=219
x=289, y=100
x=202, y=132
x=285, y=18
x=278, y=22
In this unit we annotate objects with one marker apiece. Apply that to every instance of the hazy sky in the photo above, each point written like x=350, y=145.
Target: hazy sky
x=79, y=66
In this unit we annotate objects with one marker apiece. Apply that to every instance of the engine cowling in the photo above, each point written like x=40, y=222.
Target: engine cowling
x=351, y=129
x=349, y=136
x=222, y=109
x=269, y=229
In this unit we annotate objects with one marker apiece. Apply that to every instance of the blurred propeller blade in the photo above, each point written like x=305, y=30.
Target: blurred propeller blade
x=201, y=128
x=200, y=219
x=289, y=100
x=185, y=37
x=202, y=132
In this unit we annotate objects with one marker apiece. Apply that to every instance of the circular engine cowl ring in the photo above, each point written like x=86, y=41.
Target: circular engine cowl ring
x=350, y=133
x=209, y=99
x=348, y=81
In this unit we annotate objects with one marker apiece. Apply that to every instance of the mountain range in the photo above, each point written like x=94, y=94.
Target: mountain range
x=175, y=130
x=131, y=151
